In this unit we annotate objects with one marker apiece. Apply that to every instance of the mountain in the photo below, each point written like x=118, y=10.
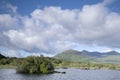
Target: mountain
x=86, y=56
x=98, y=54
x=73, y=55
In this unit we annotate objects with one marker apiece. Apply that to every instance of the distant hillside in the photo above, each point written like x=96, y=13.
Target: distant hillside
x=73, y=55
x=86, y=56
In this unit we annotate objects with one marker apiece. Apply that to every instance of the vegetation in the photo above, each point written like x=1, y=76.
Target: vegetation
x=44, y=65
x=73, y=57
x=85, y=56
x=34, y=64
x=89, y=65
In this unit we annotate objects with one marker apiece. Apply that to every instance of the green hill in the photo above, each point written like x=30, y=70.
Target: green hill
x=74, y=56
x=85, y=56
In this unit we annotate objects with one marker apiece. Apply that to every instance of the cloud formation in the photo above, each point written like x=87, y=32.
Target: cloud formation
x=53, y=29
x=11, y=53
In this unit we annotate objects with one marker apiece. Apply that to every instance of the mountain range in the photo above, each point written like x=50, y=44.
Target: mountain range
x=86, y=56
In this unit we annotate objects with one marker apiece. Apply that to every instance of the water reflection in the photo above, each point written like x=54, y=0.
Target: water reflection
x=71, y=74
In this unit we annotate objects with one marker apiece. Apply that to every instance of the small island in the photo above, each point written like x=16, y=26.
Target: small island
x=35, y=65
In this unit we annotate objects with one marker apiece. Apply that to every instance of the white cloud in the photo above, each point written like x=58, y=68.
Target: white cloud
x=7, y=21
x=44, y=54
x=11, y=53
x=12, y=8
x=53, y=29
x=107, y=2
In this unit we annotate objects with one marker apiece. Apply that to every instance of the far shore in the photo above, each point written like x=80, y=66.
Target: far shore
x=82, y=68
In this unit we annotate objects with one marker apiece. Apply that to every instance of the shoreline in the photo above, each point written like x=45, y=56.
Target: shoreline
x=7, y=67
x=82, y=68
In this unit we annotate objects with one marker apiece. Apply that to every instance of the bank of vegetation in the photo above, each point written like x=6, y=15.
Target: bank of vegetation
x=88, y=65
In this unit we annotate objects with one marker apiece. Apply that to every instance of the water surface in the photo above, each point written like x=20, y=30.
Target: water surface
x=71, y=74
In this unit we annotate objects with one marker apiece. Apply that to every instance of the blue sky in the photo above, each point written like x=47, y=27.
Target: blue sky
x=48, y=27
x=27, y=6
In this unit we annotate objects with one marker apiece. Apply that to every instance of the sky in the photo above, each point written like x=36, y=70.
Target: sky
x=48, y=27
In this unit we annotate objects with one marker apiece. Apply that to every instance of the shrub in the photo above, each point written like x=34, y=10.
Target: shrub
x=39, y=65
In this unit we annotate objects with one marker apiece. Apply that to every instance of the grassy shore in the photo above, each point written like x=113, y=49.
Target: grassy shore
x=7, y=67
x=57, y=67
x=92, y=66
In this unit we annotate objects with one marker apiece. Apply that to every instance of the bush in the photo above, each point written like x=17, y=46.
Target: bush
x=39, y=65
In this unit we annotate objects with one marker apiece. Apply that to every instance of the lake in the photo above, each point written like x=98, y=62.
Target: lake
x=71, y=74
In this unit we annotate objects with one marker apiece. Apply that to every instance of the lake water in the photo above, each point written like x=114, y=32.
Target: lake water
x=71, y=74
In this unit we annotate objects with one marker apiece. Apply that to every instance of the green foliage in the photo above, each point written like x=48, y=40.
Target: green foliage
x=39, y=65
x=3, y=61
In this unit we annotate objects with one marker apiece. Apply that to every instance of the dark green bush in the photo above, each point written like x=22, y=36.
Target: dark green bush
x=39, y=65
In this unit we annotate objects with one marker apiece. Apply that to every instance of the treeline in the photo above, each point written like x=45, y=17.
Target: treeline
x=13, y=61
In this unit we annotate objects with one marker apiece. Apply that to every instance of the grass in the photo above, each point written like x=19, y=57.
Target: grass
x=7, y=67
